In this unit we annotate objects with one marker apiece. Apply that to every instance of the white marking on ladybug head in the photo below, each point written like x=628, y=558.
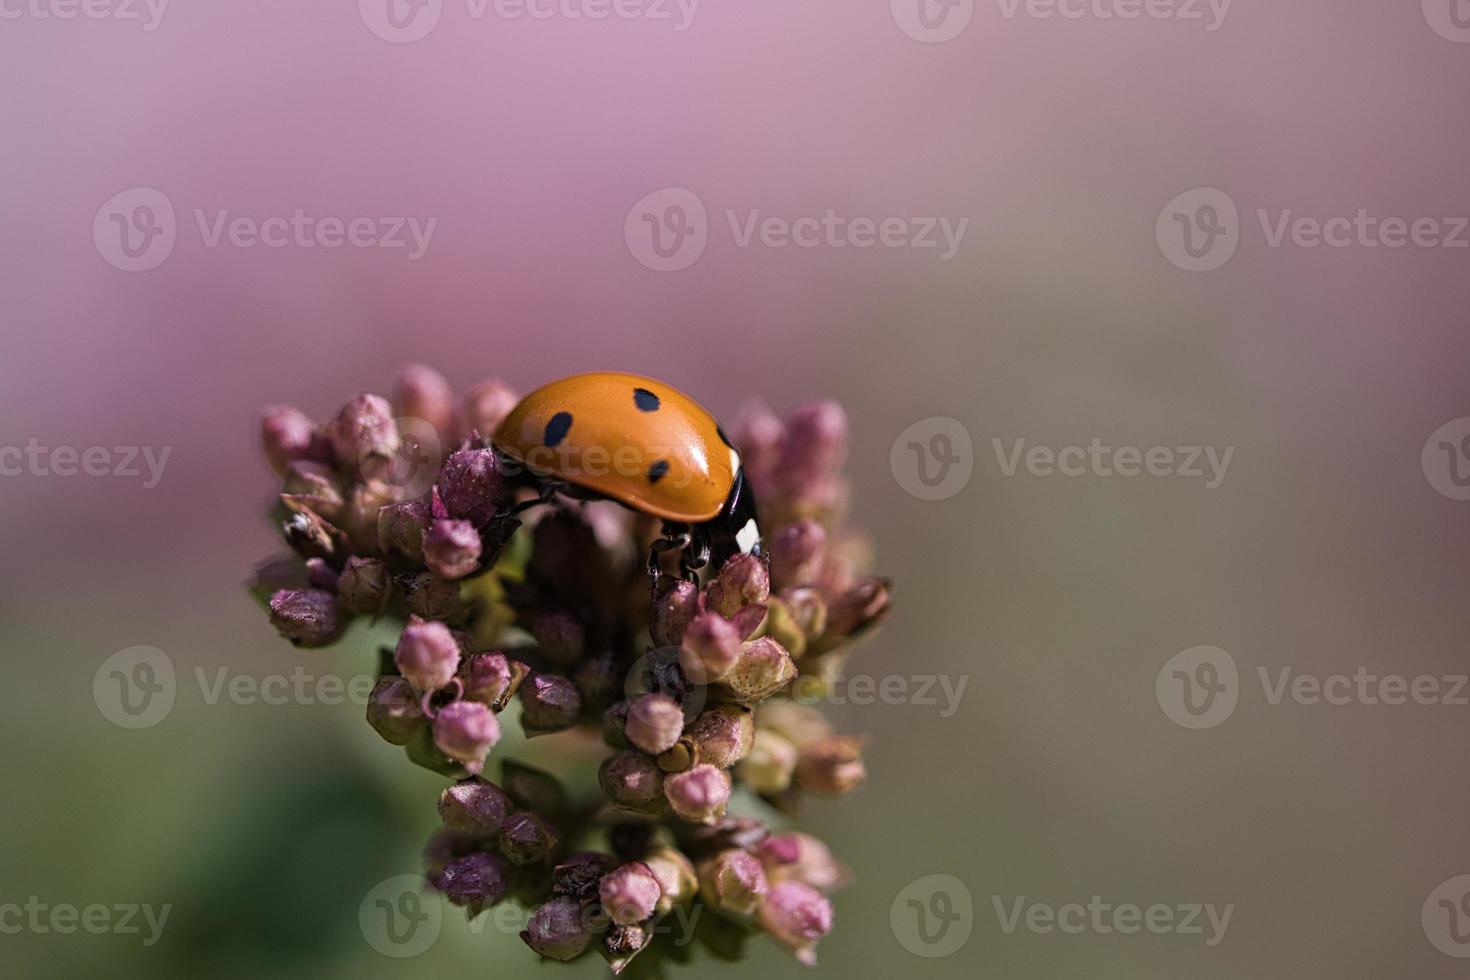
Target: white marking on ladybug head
x=734, y=461
x=748, y=536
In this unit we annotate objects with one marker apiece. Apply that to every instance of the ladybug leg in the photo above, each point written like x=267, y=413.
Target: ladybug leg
x=695, y=555
x=676, y=537
x=546, y=490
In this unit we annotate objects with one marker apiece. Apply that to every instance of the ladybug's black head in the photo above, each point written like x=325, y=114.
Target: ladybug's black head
x=736, y=528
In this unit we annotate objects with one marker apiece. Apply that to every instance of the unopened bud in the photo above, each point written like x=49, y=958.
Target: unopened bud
x=557, y=930
x=452, y=548
x=393, y=710
x=314, y=486
x=630, y=893
x=560, y=636
x=859, y=608
x=769, y=767
x=549, y=703
x=420, y=392
x=796, y=553
x=363, y=434
x=307, y=617
x=475, y=807
x=815, y=445
x=700, y=794
x=722, y=734
x=486, y=405
x=832, y=765
x=798, y=723
x=401, y=529
x=676, y=876
x=466, y=731
x=655, y=722
x=764, y=668
x=432, y=597
x=472, y=486
x=287, y=435
x=427, y=654
x=675, y=602
x=742, y=582
x=732, y=883
x=526, y=838
x=796, y=916
x=758, y=433
x=631, y=779
x=491, y=678
x=365, y=586
x=711, y=647
x=474, y=881
x=360, y=513
x=801, y=857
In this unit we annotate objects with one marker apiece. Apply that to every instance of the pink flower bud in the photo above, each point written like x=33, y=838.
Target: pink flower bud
x=723, y=734
x=452, y=548
x=764, y=668
x=630, y=893
x=700, y=794
x=363, y=432
x=427, y=654
x=631, y=779
x=732, y=882
x=307, y=617
x=796, y=553
x=832, y=765
x=549, y=703
x=675, y=603
x=287, y=435
x=491, y=678
x=815, y=445
x=796, y=916
x=472, y=486
x=486, y=405
x=741, y=583
x=474, y=807
x=401, y=529
x=420, y=392
x=758, y=434
x=655, y=722
x=474, y=881
x=801, y=857
x=676, y=876
x=466, y=731
x=711, y=647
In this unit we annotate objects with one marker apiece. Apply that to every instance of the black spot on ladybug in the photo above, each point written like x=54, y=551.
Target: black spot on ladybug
x=556, y=429
x=724, y=438
x=657, y=470
x=646, y=400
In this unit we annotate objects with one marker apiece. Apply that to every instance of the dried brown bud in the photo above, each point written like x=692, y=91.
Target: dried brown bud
x=307, y=617
x=723, y=734
x=474, y=807
x=401, y=529
x=832, y=765
x=365, y=586
x=549, y=703
x=526, y=838
x=393, y=710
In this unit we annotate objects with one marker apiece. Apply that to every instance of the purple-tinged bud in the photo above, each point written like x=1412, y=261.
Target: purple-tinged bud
x=744, y=581
x=675, y=603
x=560, y=636
x=307, y=617
x=466, y=731
x=427, y=654
x=363, y=435
x=491, y=678
x=452, y=548
x=474, y=807
x=275, y=574
x=832, y=765
x=321, y=576
x=723, y=734
x=401, y=529
x=309, y=535
x=796, y=553
x=676, y=877
x=699, y=795
x=771, y=764
x=533, y=789
x=287, y=435
x=757, y=434
x=732, y=883
x=808, y=610
x=597, y=679
x=432, y=597
x=474, y=881
x=859, y=608
x=393, y=710
x=630, y=893
x=655, y=722
x=365, y=586
x=557, y=930
x=764, y=668
x=796, y=916
x=314, y=486
x=577, y=877
x=472, y=486
x=549, y=703
x=526, y=838
x=615, y=725
x=801, y=857
x=486, y=405
x=815, y=445
x=365, y=502
x=420, y=392
x=631, y=779
x=711, y=648
x=798, y=723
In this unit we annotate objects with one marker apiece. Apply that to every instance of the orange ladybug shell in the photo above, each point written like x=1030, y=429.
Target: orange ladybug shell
x=639, y=441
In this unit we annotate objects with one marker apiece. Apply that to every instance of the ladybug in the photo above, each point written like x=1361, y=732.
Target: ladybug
x=645, y=444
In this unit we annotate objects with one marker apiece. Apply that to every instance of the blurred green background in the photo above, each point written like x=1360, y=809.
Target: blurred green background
x=1060, y=320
